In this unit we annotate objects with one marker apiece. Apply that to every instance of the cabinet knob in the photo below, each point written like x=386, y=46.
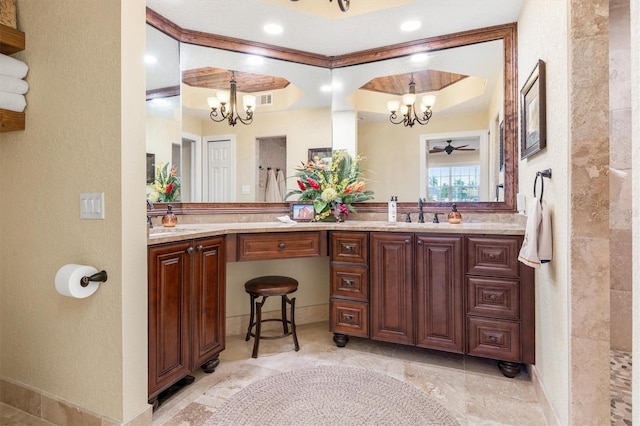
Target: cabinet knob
x=493, y=339
x=493, y=297
x=348, y=318
x=347, y=249
x=348, y=283
x=491, y=256
x=420, y=242
x=200, y=248
x=190, y=250
x=407, y=241
x=281, y=246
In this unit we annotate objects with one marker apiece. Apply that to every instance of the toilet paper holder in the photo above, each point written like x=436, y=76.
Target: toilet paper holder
x=98, y=277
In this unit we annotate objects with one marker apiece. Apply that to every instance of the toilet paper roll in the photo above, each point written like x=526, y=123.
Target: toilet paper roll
x=68, y=281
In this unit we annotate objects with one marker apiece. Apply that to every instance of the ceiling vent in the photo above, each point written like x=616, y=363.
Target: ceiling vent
x=265, y=99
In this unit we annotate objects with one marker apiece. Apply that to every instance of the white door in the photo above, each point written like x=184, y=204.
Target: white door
x=220, y=171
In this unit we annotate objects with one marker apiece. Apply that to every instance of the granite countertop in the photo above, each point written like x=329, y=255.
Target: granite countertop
x=181, y=232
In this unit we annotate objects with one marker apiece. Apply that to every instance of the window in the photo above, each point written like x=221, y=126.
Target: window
x=453, y=183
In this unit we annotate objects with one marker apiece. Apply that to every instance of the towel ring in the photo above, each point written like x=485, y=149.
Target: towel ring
x=542, y=174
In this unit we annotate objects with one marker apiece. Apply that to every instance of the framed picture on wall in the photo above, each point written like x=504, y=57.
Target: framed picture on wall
x=151, y=168
x=533, y=113
x=302, y=211
x=320, y=153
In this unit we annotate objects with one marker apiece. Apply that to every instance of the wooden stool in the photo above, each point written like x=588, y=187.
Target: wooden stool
x=266, y=286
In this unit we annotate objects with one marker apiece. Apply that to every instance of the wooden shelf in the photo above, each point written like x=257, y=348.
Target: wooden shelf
x=11, y=121
x=11, y=41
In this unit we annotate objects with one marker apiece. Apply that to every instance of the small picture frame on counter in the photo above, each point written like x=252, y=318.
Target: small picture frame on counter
x=302, y=211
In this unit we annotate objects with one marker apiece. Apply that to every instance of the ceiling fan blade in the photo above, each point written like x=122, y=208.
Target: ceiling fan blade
x=466, y=149
x=460, y=147
x=435, y=150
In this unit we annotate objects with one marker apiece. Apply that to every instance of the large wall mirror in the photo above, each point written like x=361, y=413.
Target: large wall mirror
x=465, y=154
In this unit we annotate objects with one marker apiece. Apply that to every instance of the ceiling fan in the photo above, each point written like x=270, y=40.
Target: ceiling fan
x=450, y=148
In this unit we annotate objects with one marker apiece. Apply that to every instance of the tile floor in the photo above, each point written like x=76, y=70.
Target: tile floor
x=472, y=389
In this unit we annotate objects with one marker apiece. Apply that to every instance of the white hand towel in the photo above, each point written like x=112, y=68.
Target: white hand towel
x=12, y=66
x=545, y=246
x=272, y=192
x=12, y=101
x=282, y=185
x=13, y=85
x=537, y=245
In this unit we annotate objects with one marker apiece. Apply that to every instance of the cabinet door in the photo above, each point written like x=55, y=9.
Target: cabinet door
x=391, y=287
x=169, y=282
x=439, y=291
x=208, y=300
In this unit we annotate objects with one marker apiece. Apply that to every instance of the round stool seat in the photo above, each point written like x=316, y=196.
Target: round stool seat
x=271, y=285
x=265, y=286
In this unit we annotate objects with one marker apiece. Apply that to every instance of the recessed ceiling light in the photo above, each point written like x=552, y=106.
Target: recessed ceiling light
x=273, y=29
x=419, y=57
x=255, y=60
x=326, y=88
x=410, y=25
x=148, y=59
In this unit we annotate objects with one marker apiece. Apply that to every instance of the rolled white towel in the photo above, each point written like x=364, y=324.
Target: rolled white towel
x=13, y=85
x=12, y=66
x=12, y=101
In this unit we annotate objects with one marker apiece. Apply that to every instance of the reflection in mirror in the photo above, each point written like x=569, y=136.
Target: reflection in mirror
x=163, y=119
x=293, y=114
x=482, y=113
x=413, y=162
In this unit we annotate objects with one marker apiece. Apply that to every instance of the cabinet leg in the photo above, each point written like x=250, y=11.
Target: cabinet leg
x=154, y=403
x=340, y=339
x=509, y=369
x=210, y=366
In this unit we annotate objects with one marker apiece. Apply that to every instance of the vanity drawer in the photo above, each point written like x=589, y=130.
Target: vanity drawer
x=493, y=297
x=493, y=255
x=349, y=247
x=279, y=245
x=494, y=339
x=349, y=318
x=350, y=282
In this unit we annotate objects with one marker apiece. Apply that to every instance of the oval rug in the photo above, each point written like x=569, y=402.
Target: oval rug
x=331, y=395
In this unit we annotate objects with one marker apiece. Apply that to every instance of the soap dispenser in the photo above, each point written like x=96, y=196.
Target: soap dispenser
x=393, y=206
x=454, y=215
x=169, y=220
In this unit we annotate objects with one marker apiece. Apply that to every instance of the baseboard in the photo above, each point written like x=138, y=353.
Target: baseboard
x=543, y=397
x=304, y=315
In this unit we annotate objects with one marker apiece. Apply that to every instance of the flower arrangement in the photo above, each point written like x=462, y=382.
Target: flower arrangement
x=333, y=187
x=166, y=186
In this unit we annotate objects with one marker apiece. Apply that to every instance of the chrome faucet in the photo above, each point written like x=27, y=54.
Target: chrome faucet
x=149, y=207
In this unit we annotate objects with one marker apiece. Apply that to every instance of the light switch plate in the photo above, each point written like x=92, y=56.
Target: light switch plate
x=92, y=205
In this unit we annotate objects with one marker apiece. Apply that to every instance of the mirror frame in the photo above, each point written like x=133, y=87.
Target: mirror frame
x=506, y=32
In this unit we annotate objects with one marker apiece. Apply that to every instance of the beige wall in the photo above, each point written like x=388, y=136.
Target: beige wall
x=550, y=45
x=84, y=133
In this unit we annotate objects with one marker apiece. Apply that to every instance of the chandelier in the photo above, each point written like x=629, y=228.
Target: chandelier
x=230, y=112
x=408, y=109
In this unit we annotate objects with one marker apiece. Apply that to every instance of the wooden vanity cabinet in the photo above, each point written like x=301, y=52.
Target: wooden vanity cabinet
x=349, y=293
x=186, y=310
x=417, y=290
x=500, y=311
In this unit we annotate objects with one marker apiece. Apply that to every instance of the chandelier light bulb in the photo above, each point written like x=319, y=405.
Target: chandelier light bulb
x=393, y=106
x=213, y=102
x=249, y=102
x=223, y=97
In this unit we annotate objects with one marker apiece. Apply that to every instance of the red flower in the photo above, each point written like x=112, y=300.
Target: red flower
x=360, y=187
x=169, y=188
x=301, y=185
x=313, y=183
